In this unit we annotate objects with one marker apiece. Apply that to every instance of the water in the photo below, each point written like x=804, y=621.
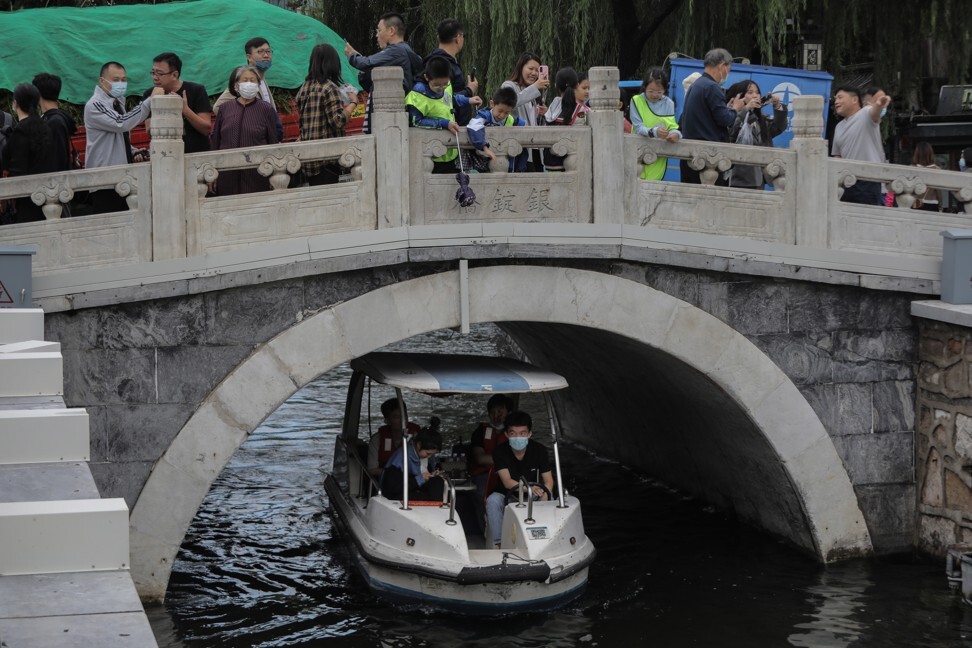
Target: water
x=261, y=565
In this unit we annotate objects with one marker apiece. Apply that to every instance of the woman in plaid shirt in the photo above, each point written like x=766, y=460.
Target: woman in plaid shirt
x=324, y=109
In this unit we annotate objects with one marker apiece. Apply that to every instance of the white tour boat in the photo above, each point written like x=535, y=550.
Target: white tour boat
x=422, y=554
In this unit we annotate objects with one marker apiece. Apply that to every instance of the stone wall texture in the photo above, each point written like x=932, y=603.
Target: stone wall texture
x=944, y=437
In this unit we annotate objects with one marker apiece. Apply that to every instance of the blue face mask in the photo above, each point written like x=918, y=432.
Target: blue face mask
x=263, y=66
x=118, y=89
x=519, y=443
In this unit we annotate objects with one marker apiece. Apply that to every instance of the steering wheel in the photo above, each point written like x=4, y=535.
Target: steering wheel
x=513, y=495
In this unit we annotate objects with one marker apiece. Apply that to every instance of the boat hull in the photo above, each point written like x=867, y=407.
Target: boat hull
x=507, y=583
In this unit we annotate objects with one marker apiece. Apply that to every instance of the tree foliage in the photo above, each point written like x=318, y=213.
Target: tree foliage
x=906, y=42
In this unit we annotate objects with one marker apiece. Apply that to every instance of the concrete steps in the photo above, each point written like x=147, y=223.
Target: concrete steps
x=64, y=552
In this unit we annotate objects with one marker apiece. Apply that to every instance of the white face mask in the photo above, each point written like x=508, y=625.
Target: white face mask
x=248, y=89
x=118, y=89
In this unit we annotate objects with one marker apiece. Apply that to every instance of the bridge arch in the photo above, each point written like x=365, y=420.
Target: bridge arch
x=752, y=441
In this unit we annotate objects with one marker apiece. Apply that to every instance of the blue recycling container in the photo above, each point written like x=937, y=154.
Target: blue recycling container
x=786, y=82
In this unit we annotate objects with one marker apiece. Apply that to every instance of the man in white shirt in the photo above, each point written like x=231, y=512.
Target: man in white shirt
x=858, y=137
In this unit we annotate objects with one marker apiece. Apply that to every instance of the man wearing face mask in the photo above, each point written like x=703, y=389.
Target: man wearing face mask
x=258, y=55
x=107, y=126
x=519, y=457
x=706, y=115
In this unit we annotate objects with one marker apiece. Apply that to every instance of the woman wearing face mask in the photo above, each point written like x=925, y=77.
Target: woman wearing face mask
x=247, y=121
x=529, y=85
x=29, y=150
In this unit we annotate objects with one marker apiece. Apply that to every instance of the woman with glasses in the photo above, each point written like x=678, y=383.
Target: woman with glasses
x=653, y=115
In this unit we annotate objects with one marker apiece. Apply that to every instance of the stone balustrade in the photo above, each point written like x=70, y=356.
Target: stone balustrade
x=389, y=184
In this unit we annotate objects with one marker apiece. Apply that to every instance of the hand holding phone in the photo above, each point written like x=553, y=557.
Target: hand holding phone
x=544, y=72
x=472, y=75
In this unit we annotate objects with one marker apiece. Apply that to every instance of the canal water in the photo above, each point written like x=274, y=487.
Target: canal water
x=262, y=564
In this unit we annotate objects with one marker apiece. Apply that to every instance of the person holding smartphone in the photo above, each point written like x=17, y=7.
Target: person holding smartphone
x=754, y=128
x=529, y=80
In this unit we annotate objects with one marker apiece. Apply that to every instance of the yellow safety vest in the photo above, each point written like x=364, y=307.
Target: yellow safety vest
x=655, y=170
x=439, y=108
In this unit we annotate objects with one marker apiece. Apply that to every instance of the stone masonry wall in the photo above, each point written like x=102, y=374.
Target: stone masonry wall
x=944, y=437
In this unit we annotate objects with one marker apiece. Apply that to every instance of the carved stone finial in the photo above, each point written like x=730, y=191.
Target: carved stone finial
x=127, y=188
x=50, y=197
x=605, y=93
x=807, y=121
x=387, y=94
x=166, y=118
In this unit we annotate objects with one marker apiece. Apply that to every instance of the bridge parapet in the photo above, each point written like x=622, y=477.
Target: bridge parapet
x=390, y=185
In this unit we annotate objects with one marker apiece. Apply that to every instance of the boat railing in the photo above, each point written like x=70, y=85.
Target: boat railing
x=523, y=486
x=367, y=489
x=451, y=494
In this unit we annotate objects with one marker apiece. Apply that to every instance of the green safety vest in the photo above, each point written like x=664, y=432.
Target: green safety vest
x=440, y=108
x=655, y=170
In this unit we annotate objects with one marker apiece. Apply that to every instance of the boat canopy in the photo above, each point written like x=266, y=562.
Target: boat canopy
x=433, y=373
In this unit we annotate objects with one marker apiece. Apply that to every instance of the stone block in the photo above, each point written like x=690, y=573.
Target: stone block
x=161, y=323
x=962, y=441
x=804, y=357
x=823, y=400
x=188, y=374
x=936, y=534
x=311, y=347
x=322, y=291
x=822, y=308
x=254, y=314
x=143, y=432
x=890, y=513
x=677, y=283
x=109, y=376
x=878, y=458
x=958, y=495
x=854, y=408
x=124, y=479
x=894, y=406
x=98, y=432
x=871, y=356
x=76, y=329
x=757, y=308
x=932, y=483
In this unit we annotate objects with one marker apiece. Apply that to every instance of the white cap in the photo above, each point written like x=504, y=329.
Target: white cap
x=689, y=80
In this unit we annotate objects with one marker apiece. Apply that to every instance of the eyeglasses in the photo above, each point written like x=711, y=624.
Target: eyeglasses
x=157, y=73
x=263, y=52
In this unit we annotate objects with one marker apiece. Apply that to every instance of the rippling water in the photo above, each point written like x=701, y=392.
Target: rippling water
x=261, y=565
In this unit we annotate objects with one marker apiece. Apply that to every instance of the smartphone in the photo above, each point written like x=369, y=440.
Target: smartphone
x=765, y=99
x=472, y=75
x=544, y=72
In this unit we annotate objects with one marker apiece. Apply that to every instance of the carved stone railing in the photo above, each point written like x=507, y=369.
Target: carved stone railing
x=69, y=244
x=894, y=230
x=389, y=185
x=705, y=208
x=222, y=223
x=562, y=197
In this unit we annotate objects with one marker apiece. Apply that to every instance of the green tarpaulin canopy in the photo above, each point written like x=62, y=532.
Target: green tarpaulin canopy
x=208, y=35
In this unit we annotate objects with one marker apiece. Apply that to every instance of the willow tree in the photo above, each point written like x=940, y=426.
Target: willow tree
x=637, y=34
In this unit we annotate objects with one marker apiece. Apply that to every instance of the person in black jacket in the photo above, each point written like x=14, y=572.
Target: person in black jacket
x=451, y=41
x=29, y=149
x=60, y=121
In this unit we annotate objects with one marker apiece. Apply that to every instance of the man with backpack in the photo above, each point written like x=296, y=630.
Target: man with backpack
x=59, y=121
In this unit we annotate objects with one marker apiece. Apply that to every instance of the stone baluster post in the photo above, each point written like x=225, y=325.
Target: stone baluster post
x=810, y=182
x=607, y=132
x=167, y=155
x=389, y=125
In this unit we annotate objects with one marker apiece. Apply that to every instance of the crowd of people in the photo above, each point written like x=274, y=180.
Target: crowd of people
x=438, y=95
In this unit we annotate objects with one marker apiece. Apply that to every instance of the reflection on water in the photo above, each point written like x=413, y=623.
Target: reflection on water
x=261, y=565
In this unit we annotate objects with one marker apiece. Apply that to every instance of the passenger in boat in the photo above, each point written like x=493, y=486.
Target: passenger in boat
x=388, y=438
x=424, y=483
x=485, y=439
x=520, y=457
